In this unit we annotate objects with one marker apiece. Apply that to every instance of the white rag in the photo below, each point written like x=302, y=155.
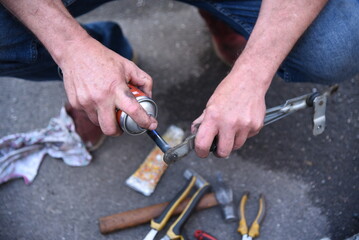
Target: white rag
x=21, y=154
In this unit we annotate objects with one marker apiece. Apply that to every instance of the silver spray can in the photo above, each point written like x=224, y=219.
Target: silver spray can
x=127, y=124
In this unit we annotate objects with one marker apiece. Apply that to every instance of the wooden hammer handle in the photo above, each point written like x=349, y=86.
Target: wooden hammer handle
x=139, y=216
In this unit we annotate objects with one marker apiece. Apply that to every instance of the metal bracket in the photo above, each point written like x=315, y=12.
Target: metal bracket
x=319, y=105
x=316, y=100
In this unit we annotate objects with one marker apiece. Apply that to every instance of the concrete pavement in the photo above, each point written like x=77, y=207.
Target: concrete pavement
x=310, y=183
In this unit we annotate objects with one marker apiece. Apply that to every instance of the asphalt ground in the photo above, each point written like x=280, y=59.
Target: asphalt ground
x=310, y=183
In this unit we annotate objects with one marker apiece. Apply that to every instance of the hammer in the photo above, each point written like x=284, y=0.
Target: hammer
x=224, y=196
x=144, y=215
x=174, y=232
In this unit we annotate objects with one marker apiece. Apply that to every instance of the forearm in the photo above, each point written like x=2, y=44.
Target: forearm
x=236, y=109
x=50, y=21
x=279, y=26
x=95, y=77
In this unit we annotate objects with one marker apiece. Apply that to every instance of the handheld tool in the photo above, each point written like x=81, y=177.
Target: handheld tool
x=315, y=99
x=254, y=229
x=160, y=142
x=159, y=222
x=224, y=195
x=135, y=217
x=174, y=232
x=202, y=235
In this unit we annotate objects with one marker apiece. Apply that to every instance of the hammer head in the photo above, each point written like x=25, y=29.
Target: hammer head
x=224, y=196
x=200, y=182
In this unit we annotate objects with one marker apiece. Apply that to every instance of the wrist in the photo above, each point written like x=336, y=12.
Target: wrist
x=68, y=44
x=253, y=77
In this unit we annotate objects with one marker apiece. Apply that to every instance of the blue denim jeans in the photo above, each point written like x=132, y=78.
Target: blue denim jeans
x=23, y=56
x=328, y=52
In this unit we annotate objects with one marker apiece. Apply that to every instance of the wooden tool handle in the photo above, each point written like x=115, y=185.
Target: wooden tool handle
x=143, y=215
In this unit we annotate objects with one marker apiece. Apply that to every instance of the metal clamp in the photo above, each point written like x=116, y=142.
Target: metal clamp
x=316, y=100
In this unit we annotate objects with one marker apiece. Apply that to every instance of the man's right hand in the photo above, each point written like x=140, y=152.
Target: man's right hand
x=96, y=81
x=95, y=77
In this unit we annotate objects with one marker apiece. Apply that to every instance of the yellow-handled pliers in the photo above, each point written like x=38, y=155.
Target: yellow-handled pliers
x=254, y=229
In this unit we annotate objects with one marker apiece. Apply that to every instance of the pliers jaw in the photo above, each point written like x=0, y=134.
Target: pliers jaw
x=246, y=237
x=180, y=151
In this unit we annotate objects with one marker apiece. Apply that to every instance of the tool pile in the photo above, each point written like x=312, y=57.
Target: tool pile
x=160, y=214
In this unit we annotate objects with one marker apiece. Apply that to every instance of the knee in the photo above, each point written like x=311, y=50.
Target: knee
x=332, y=67
x=329, y=50
x=330, y=64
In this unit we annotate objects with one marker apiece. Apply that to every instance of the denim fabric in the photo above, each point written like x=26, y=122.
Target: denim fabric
x=23, y=56
x=328, y=52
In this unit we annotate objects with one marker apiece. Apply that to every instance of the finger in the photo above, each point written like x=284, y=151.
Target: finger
x=196, y=123
x=88, y=108
x=204, y=139
x=240, y=139
x=142, y=80
x=107, y=120
x=225, y=143
x=128, y=103
x=92, y=115
x=254, y=132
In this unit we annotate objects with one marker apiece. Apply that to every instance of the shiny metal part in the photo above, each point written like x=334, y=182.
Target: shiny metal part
x=151, y=234
x=179, y=151
x=246, y=237
x=315, y=99
x=224, y=196
x=160, y=142
x=289, y=107
x=319, y=104
x=129, y=125
x=166, y=238
x=200, y=182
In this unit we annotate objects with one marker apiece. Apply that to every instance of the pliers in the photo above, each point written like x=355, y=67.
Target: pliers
x=254, y=229
x=315, y=100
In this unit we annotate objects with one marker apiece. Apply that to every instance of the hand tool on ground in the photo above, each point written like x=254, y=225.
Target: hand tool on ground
x=254, y=229
x=315, y=99
x=174, y=232
x=143, y=215
x=159, y=222
x=224, y=195
x=202, y=235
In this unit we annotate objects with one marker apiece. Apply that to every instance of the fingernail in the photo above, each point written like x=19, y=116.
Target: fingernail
x=153, y=126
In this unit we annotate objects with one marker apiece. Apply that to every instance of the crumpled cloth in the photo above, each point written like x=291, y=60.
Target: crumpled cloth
x=21, y=154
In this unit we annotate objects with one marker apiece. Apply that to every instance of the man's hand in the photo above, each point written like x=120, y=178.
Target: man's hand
x=96, y=80
x=236, y=109
x=95, y=77
x=234, y=113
